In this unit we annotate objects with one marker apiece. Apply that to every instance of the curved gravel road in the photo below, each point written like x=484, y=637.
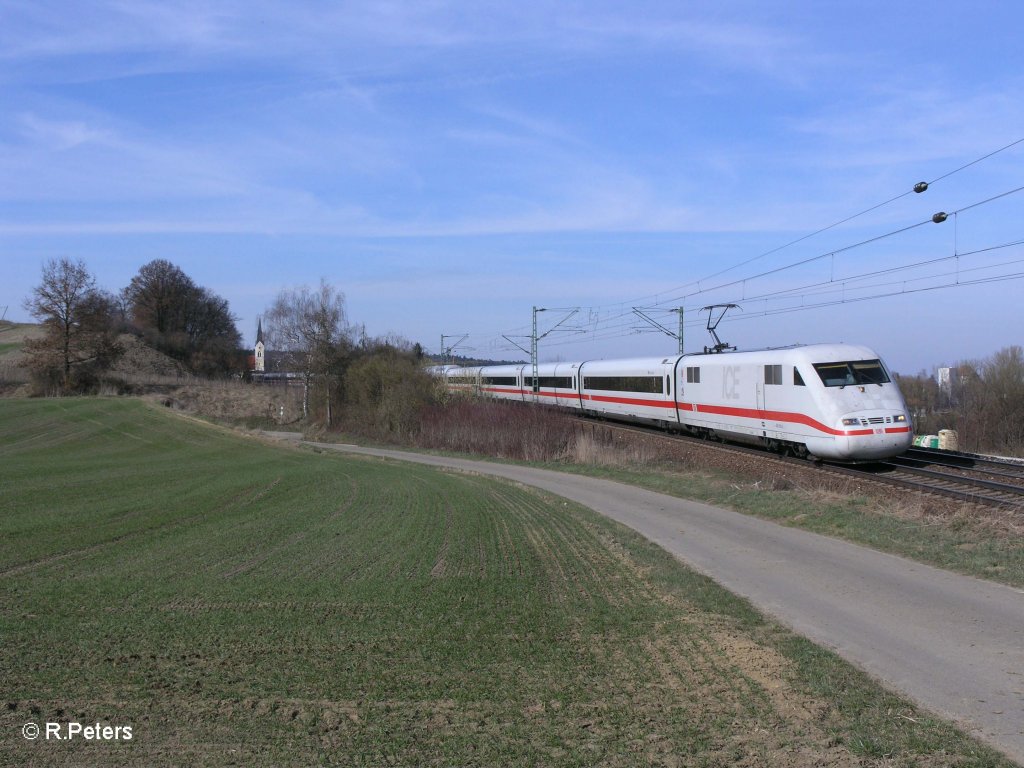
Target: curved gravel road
x=953, y=643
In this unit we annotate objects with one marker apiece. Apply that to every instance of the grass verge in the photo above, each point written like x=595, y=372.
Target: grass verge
x=237, y=603
x=982, y=542
x=951, y=536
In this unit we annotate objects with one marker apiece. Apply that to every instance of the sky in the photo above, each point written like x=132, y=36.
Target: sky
x=449, y=166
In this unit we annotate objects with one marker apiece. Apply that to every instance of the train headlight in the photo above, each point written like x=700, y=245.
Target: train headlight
x=851, y=422
x=899, y=418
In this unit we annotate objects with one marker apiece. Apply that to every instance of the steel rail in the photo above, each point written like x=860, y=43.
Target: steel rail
x=994, y=492
x=959, y=458
x=971, y=490
x=912, y=462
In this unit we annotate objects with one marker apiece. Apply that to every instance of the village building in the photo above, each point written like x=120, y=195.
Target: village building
x=259, y=364
x=273, y=367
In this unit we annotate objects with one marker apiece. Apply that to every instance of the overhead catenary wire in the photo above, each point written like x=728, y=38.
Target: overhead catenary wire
x=804, y=292
x=978, y=160
x=917, y=188
x=808, y=296
x=878, y=272
x=614, y=320
x=656, y=297
x=905, y=291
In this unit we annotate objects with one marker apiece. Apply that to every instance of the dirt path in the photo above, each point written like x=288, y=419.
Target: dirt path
x=952, y=643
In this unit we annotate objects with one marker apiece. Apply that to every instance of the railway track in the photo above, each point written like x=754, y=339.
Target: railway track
x=980, y=479
x=964, y=477
x=937, y=482
x=990, y=465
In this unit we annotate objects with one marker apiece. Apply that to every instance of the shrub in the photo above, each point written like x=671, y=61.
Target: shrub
x=385, y=393
x=502, y=429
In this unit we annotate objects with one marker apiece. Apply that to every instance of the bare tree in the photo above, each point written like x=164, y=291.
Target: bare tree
x=311, y=326
x=157, y=296
x=79, y=322
x=181, y=318
x=1001, y=401
x=985, y=402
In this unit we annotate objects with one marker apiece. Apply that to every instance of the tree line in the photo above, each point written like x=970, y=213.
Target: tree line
x=380, y=388
x=983, y=401
x=162, y=305
x=376, y=385
x=379, y=385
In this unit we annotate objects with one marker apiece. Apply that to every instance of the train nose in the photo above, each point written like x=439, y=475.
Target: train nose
x=895, y=421
x=876, y=435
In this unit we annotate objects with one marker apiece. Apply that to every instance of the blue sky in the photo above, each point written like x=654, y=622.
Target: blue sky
x=450, y=165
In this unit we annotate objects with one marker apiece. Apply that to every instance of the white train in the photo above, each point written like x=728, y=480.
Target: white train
x=830, y=401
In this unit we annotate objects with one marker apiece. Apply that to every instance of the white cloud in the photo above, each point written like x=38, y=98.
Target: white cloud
x=916, y=125
x=416, y=122
x=60, y=135
x=363, y=37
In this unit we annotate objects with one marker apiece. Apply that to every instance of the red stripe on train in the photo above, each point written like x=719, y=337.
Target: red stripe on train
x=718, y=410
x=631, y=401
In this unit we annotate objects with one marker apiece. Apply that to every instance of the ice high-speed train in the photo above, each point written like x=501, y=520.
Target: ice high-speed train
x=830, y=401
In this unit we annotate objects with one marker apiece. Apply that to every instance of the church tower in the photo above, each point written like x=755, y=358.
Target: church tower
x=260, y=348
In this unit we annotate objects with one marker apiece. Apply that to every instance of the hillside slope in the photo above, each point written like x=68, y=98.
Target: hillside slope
x=233, y=602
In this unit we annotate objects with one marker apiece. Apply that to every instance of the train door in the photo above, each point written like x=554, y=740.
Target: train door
x=678, y=379
x=772, y=379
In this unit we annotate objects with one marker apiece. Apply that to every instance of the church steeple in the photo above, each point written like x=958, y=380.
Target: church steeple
x=260, y=347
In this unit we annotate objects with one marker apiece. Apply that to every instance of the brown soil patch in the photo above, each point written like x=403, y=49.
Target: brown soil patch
x=236, y=401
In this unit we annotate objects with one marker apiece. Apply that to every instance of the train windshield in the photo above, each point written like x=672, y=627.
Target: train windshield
x=853, y=372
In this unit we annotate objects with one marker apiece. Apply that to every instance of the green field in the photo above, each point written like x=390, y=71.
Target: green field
x=12, y=335
x=236, y=603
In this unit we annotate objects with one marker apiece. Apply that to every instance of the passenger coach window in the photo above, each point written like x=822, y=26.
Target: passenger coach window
x=556, y=382
x=773, y=374
x=501, y=381
x=693, y=375
x=853, y=372
x=648, y=384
